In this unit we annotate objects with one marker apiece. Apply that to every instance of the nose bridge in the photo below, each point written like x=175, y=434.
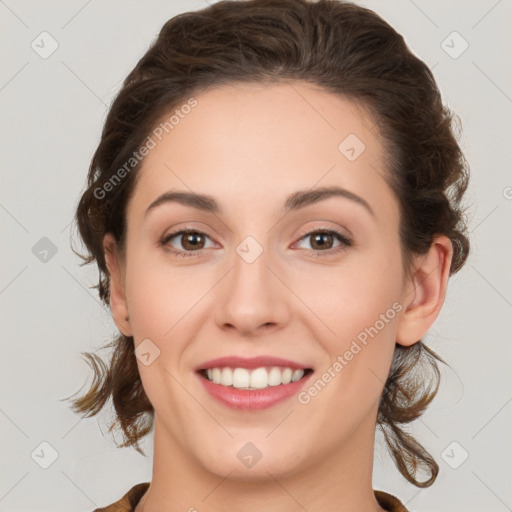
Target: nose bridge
x=250, y=265
x=251, y=296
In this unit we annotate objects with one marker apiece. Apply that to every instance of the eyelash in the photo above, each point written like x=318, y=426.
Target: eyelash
x=345, y=242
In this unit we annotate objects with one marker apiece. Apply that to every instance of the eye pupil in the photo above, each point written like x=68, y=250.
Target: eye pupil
x=192, y=239
x=318, y=237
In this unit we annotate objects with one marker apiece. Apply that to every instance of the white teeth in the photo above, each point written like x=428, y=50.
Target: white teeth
x=226, y=377
x=297, y=375
x=241, y=378
x=286, y=377
x=259, y=378
x=274, y=377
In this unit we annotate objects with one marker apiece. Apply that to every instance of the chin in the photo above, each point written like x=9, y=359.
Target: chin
x=252, y=461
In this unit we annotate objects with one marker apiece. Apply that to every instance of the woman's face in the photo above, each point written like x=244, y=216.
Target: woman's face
x=264, y=275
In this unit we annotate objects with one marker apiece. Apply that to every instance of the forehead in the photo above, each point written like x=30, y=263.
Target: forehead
x=256, y=141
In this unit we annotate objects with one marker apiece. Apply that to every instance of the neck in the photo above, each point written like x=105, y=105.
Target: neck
x=335, y=482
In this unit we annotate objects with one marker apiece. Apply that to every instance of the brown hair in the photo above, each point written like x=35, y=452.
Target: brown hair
x=345, y=49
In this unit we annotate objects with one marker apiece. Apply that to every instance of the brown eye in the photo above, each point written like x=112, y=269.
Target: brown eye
x=192, y=240
x=322, y=241
x=188, y=242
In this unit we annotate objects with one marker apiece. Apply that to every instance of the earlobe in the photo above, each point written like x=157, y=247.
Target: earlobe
x=425, y=291
x=118, y=305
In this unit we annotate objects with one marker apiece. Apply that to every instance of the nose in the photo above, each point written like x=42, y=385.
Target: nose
x=252, y=298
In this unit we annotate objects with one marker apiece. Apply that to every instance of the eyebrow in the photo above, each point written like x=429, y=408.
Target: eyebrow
x=295, y=201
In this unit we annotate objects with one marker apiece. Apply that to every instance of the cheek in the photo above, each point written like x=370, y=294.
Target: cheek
x=363, y=312
x=162, y=298
x=359, y=293
x=160, y=307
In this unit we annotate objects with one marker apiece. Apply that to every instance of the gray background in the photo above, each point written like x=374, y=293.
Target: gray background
x=52, y=114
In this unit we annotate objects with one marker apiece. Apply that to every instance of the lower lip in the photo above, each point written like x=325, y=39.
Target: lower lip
x=246, y=400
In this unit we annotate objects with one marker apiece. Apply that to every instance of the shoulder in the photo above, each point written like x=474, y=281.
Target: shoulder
x=389, y=502
x=128, y=502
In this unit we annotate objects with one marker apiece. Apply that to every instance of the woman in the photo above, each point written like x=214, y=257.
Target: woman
x=275, y=210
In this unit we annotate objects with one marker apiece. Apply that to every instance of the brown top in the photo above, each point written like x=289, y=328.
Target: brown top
x=130, y=500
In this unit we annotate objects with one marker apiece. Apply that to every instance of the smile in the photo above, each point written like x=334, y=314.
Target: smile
x=258, y=378
x=252, y=384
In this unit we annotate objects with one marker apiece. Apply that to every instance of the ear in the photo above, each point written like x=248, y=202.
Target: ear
x=425, y=291
x=118, y=305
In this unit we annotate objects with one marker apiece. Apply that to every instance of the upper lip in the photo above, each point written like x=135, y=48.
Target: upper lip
x=250, y=363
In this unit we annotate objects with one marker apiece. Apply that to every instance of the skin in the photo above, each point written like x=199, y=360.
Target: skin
x=250, y=146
